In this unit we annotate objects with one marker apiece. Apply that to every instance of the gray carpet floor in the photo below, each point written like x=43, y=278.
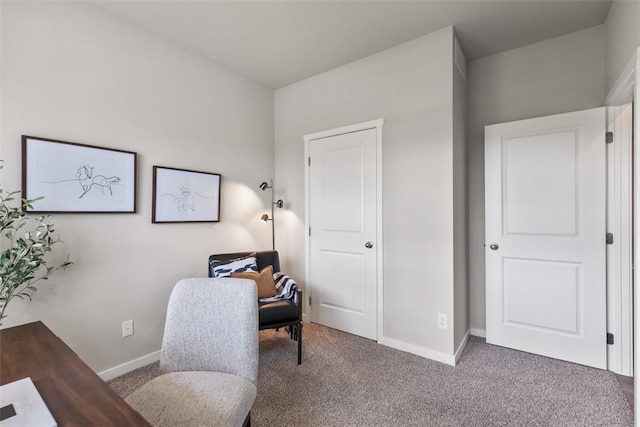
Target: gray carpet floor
x=346, y=380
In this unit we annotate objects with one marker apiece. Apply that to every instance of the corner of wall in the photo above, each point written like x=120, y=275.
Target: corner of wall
x=438, y=356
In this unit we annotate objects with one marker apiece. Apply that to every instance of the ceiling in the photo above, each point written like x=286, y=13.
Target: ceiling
x=277, y=43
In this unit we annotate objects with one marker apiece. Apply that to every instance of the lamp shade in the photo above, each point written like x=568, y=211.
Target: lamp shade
x=265, y=217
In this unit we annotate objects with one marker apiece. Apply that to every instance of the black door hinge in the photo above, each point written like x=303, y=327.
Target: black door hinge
x=609, y=338
x=609, y=238
x=309, y=301
x=608, y=138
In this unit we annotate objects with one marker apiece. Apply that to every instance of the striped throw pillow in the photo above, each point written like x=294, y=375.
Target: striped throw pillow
x=224, y=268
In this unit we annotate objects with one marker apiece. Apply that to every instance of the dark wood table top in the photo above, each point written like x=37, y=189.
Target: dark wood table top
x=74, y=394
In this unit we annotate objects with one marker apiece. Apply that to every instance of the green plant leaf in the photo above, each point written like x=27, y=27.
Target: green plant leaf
x=27, y=240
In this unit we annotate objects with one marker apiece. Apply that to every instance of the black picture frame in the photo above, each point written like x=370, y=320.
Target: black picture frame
x=183, y=195
x=77, y=178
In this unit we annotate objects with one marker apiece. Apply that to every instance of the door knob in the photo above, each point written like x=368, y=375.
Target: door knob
x=368, y=245
x=494, y=246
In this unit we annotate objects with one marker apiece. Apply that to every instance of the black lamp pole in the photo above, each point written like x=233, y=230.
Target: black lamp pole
x=265, y=217
x=273, y=220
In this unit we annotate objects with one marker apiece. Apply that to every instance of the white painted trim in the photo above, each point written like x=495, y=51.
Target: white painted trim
x=116, y=371
x=619, y=255
x=379, y=234
x=478, y=332
x=622, y=90
x=462, y=345
x=448, y=359
x=619, y=284
x=307, y=240
x=373, y=124
x=636, y=234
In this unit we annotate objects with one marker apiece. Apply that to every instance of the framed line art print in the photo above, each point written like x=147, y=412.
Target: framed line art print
x=181, y=195
x=77, y=178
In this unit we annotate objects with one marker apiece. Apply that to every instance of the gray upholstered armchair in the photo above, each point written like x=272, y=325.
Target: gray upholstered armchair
x=209, y=356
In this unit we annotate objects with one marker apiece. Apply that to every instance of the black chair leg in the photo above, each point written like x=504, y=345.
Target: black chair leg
x=299, y=327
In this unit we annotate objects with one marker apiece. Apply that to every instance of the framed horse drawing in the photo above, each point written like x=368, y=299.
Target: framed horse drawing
x=183, y=195
x=67, y=177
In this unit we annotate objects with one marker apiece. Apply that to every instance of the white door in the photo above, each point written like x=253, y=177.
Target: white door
x=342, y=241
x=545, y=236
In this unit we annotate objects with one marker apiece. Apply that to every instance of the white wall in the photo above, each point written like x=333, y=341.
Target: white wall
x=622, y=37
x=73, y=73
x=555, y=76
x=410, y=87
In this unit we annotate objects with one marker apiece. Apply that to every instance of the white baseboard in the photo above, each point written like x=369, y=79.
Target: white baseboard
x=116, y=371
x=449, y=359
x=478, y=332
x=462, y=345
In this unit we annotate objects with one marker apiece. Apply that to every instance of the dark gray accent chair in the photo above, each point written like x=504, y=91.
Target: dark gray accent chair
x=277, y=314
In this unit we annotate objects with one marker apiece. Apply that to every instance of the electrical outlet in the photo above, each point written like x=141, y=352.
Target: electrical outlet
x=443, y=321
x=127, y=328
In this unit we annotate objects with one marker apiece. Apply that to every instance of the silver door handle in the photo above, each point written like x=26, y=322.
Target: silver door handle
x=494, y=246
x=368, y=245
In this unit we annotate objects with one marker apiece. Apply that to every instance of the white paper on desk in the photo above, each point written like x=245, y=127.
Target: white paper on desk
x=31, y=411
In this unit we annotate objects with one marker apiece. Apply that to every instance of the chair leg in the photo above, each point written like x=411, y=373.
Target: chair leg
x=299, y=327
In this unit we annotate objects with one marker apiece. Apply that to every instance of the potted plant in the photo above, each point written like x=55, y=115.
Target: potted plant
x=24, y=241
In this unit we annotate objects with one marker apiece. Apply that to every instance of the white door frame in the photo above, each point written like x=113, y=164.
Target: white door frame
x=636, y=219
x=619, y=254
x=620, y=313
x=374, y=124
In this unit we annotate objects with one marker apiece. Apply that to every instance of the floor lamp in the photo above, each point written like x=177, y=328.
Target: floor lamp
x=279, y=203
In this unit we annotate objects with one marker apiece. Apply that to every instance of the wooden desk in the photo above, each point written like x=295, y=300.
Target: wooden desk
x=74, y=394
